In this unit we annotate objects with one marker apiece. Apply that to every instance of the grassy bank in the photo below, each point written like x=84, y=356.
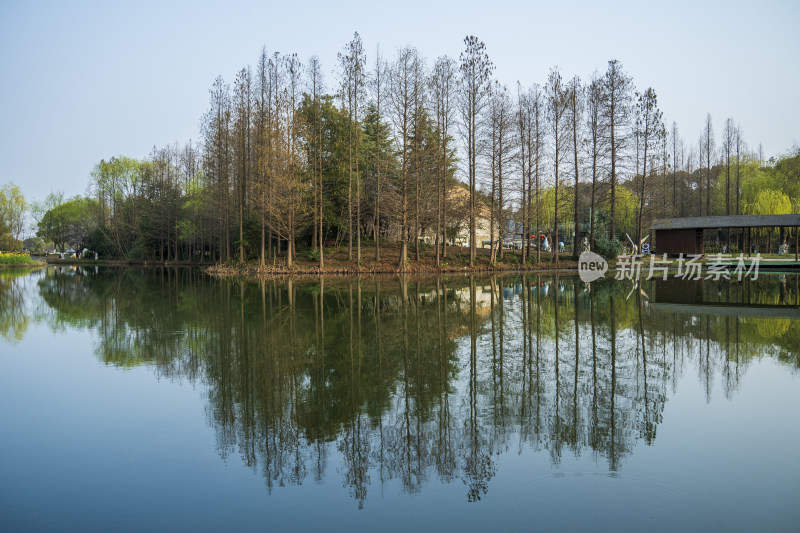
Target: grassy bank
x=337, y=262
x=18, y=260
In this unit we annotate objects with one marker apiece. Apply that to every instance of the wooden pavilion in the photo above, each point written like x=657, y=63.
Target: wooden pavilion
x=675, y=236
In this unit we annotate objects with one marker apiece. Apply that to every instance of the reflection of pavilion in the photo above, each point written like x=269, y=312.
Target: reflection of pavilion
x=688, y=297
x=733, y=310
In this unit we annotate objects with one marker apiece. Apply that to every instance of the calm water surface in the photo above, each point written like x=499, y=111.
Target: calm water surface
x=166, y=400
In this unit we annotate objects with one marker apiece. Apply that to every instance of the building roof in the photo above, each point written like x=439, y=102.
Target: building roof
x=733, y=221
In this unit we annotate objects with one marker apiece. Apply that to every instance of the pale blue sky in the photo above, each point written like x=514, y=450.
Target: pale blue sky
x=82, y=81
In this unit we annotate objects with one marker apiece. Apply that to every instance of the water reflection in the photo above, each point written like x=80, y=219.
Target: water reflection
x=408, y=379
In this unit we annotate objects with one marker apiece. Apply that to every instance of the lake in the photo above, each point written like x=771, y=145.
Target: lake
x=164, y=399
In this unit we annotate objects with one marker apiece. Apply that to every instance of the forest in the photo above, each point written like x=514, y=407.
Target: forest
x=407, y=153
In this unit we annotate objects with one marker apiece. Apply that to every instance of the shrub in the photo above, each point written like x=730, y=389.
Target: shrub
x=607, y=248
x=137, y=253
x=312, y=254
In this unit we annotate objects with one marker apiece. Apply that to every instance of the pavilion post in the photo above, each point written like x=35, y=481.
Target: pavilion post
x=749, y=242
x=795, y=242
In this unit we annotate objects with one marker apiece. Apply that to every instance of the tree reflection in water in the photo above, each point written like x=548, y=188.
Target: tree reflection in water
x=406, y=379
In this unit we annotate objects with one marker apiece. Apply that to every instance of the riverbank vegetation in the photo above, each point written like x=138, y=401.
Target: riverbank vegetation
x=17, y=260
x=421, y=153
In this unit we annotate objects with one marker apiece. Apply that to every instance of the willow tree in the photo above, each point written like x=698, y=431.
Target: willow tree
x=12, y=214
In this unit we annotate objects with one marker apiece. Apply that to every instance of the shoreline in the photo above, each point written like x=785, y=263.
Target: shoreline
x=255, y=271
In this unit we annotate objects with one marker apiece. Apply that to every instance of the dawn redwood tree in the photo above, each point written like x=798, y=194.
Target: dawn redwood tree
x=242, y=147
x=316, y=87
x=419, y=123
x=403, y=99
x=217, y=161
x=650, y=132
x=617, y=89
x=728, y=134
x=500, y=156
x=740, y=148
x=677, y=162
x=575, y=117
x=378, y=85
x=352, y=62
x=475, y=89
x=537, y=104
x=523, y=125
x=557, y=97
x=442, y=85
x=707, y=142
x=596, y=142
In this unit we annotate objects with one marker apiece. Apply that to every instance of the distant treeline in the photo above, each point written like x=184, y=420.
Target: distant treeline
x=286, y=161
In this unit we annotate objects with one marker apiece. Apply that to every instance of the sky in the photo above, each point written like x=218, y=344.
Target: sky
x=85, y=81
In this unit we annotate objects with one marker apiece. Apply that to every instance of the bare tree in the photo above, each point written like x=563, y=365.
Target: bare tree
x=677, y=162
x=352, y=62
x=500, y=157
x=740, y=148
x=379, y=92
x=728, y=142
x=289, y=198
x=523, y=119
x=575, y=117
x=401, y=94
x=617, y=89
x=242, y=147
x=216, y=128
x=316, y=87
x=596, y=142
x=538, y=112
x=442, y=85
x=476, y=71
x=557, y=97
x=708, y=148
x=261, y=142
x=650, y=133
x=700, y=160
x=418, y=128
